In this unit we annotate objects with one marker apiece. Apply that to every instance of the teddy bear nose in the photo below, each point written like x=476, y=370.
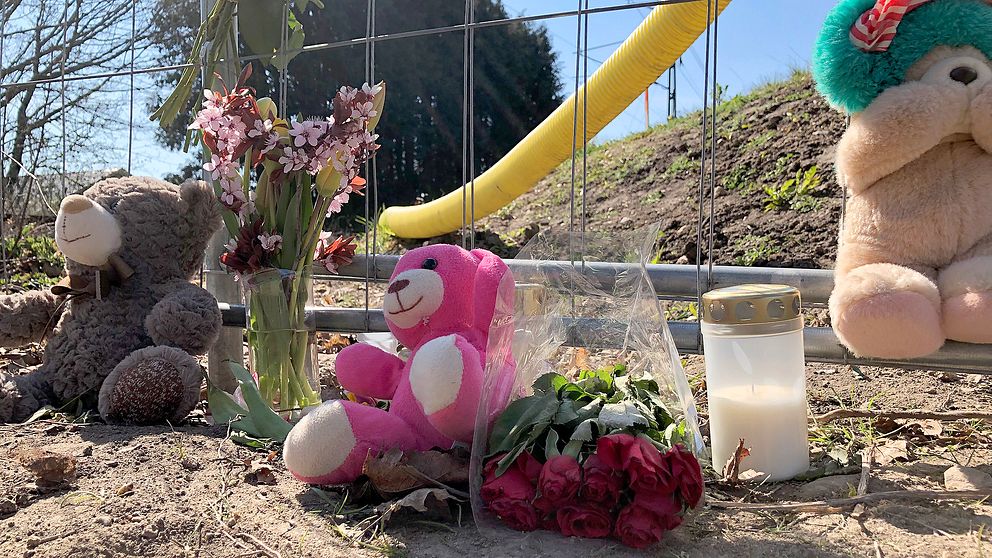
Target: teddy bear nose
x=397, y=286
x=75, y=204
x=964, y=74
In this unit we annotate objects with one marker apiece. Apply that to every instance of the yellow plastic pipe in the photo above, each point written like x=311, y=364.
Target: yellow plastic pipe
x=652, y=48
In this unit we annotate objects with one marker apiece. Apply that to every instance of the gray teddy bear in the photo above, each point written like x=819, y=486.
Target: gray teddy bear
x=122, y=327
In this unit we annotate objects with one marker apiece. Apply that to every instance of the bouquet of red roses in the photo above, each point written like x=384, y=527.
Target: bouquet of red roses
x=596, y=457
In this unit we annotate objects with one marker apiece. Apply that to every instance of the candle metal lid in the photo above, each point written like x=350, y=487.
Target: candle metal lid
x=751, y=304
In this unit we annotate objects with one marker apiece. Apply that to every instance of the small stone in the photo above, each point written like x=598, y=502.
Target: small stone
x=125, y=489
x=683, y=260
x=75, y=449
x=966, y=478
x=626, y=221
x=149, y=533
x=974, y=378
x=950, y=377
x=7, y=506
x=50, y=469
x=836, y=486
x=104, y=520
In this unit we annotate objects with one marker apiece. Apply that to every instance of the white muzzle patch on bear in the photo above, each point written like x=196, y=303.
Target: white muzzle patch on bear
x=85, y=232
x=412, y=297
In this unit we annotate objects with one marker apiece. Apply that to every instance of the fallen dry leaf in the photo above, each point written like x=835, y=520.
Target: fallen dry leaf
x=732, y=470
x=50, y=469
x=422, y=501
x=892, y=450
x=395, y=472
x=580, y=360
x=260, y=472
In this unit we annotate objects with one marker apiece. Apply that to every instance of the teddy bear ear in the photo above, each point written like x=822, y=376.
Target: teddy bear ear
x=202, y=207
x=493, y=288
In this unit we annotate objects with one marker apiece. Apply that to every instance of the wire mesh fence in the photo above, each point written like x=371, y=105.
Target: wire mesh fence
x=78, y=77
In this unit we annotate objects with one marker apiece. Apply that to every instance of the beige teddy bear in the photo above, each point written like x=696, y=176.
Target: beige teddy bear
x=914, y=267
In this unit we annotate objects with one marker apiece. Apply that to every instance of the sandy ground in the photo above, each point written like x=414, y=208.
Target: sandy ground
x=190, y=491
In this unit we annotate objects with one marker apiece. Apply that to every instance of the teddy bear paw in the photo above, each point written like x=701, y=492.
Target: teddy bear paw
x=320, y=444
x=968, y=317
x=151, y=386
x=898, y=325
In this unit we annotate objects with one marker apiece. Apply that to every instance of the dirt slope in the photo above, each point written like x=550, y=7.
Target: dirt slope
x=764, y=138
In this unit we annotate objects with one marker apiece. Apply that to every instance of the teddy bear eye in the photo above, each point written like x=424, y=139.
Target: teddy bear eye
x=429, y=263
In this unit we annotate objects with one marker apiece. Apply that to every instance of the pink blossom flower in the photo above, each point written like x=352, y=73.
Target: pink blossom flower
x=248, y=207
x=288, y=160
x=271, y=141
x=270, y=242
x=205, y=118
x=211, y=99
x=306, y=132
x=371, y=90
x=231, y=195
x=220, y=168
x=262, y=127
x=364, y=110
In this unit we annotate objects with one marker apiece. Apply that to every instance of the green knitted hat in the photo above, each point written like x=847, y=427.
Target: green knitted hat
x=850, y=79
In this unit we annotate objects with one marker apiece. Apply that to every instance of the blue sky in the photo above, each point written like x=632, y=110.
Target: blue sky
x=760, y=41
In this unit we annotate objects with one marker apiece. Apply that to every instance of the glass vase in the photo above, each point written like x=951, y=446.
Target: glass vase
x=282, y=353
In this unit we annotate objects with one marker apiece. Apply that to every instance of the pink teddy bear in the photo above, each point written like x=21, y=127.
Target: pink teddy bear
x=439, y=304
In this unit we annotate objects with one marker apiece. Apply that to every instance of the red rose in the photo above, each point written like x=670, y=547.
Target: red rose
x=509, y=495
x=640, y=460
x=645, y=520
x=560, y=479
x=584, y=521
x=513, y=484
x=687, y=474
x=601, y=483
x=516, y=514
x=548, y=522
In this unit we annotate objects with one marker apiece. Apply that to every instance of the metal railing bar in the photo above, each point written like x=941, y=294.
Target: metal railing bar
x=668, y=279
x=821, y=345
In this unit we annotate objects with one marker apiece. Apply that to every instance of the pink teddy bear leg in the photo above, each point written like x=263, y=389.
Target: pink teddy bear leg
x=887, y=311
x=966, y=288
x=446, y=378
x=331, y=443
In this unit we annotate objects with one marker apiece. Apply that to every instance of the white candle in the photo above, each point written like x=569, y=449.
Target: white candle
x=772, y=421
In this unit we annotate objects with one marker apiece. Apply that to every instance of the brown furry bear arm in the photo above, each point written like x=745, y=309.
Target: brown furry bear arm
x=27, y=317
x=187, y=317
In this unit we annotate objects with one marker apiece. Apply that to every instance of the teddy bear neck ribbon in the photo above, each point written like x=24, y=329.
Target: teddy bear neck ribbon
x=98, y=284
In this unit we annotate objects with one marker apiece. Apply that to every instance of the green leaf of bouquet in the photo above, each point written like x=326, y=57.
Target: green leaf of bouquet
x=572, y=449
x=263, y=30
x=596, y=382
x=584, y=431
x=623, y=414
x=225, y=410
x=551, y=444
x=267, y=423
x=291, y=233
x=567, y=412
x=550, y=383
x=509, y=458
x=523, y=418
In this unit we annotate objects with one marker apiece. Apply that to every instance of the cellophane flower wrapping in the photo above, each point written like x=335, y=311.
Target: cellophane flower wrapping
x=572, y=315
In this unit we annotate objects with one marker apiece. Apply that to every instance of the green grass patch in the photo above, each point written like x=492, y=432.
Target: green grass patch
x=756, y=249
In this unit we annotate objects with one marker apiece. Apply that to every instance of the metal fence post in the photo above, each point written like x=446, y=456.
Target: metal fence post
x=229, y=346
